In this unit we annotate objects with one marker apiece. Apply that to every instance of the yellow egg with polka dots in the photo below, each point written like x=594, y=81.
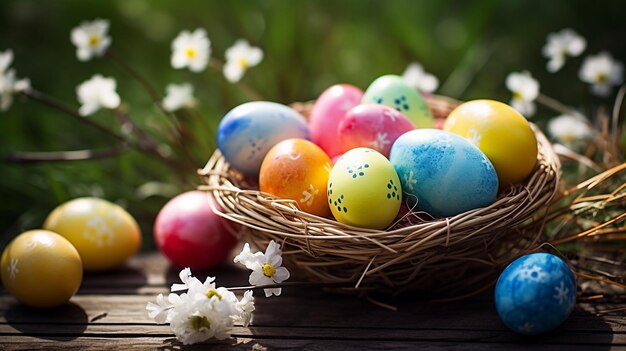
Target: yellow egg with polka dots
x=41, y=269
x=104, y=234
x=501, y=133
x=364, y=189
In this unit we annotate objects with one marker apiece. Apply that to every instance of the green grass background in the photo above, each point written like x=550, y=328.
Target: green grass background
x=309, y=45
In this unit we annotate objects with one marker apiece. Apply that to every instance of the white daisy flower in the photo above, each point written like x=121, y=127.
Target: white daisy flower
x=266, y=268
x=6, y=58
x=245, y=307
x=197, y=321
x=419, y=79
x=602, y=71
x=96, y=93
x=525, y=90
x=561, y=45
x=91, y=39
x=159, y=311
x=191, y=50
x=570, y=131
x=9, y=86
x=178, y=96
x=239, y=58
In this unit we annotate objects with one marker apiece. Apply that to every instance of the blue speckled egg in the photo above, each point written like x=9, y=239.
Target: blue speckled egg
x=444, y=172
x=249, y=131
x=535, y=293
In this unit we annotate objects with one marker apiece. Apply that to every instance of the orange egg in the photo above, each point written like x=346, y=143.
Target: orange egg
x=297, y=169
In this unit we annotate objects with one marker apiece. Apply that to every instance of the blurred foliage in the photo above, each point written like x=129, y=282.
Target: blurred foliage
x=309, y=45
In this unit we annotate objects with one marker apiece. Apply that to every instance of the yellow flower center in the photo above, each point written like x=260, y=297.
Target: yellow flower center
x=243, y=63
x=517, y=96
x=94, y=40
x=212, y=293
x=601, y=78
x=199, y=322
x=191, y=52
x=268, y=270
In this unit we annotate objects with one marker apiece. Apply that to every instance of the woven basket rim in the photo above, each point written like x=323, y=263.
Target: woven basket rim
x=329, y=251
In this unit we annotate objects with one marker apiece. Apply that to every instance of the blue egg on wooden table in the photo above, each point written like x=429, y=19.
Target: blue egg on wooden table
x=445, y=173
x=249, y=131
x=535, y=293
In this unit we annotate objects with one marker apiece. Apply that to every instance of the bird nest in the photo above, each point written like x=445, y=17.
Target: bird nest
x=416, y=252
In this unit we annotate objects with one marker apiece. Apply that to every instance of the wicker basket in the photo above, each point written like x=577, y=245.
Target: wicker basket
x=446, y=254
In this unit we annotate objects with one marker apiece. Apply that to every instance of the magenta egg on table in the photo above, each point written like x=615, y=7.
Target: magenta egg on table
x=328, y=111
x=373, y=126
x=190, y=234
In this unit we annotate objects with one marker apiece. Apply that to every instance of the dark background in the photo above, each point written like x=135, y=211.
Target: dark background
x=309, y=45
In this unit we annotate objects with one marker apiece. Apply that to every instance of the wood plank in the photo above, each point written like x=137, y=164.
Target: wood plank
x=309, y=309
x=168, y=343
x=373, y=334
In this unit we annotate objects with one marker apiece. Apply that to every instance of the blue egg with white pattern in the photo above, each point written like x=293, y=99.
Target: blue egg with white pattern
x=446, y=174
x=535, y=293
x=249, y=131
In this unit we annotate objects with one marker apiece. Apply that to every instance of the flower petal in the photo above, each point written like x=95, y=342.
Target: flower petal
x=281, y=275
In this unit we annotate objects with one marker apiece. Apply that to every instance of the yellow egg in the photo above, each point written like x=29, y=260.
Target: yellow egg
x=364, y=190
x=104, y=234
x=41, y=269
x=501, y=133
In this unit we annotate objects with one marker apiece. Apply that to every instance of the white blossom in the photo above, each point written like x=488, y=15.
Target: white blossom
x=525, y=90
x=560, y=45
x=239, y=58
x=98, y=92
x=91, y=39
x=570, y=130
x=416, y=77
x=9, y=86
x=6, y=58
x=178, y=96
x=204, y=311
x=245, y=307
x=266, y=267
x=602, y=71
x=191, y=50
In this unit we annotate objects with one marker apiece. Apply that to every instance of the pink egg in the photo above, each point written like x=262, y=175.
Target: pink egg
x=189, y=234
x=335, y=158
x=328, y=111
x=374, y=126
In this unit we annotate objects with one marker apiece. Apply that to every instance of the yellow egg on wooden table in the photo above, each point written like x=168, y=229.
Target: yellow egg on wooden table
x=104, y=234
x=501, y=133
x=41, y=269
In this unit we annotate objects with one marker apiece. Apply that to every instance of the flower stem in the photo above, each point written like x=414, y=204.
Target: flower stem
x=558, y=106
x=296, y=285
x=252, y=94
x=60, y=156
x=58, y=105
x=156, y=99
x=151, y=150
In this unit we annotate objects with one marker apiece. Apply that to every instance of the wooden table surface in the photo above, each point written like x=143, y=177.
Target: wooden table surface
x=109, y=313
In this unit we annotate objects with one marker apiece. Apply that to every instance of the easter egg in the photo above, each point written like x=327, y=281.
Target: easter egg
x=535, y=293
x=502, y=133
x=364, y=190
x=104, y=234
x=248, y=131
x=41, y=269
x=190, y=234
x=328, y=111
x=444, y=172
x=297, y=169
x=373, y=126
x=393, y=91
